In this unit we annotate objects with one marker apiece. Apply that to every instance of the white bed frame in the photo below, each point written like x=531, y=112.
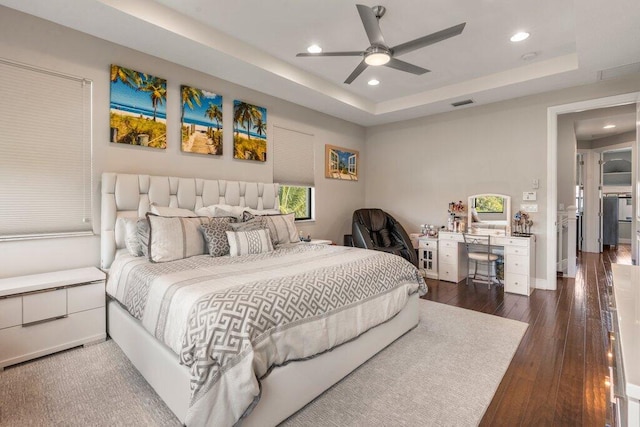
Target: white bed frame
x=285, y=389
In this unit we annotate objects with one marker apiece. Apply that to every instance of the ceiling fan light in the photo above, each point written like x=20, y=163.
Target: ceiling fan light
x=518, y=37
x=377, y=58
x=314, y=48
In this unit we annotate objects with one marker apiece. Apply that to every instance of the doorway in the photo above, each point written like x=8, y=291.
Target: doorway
x=553, y=115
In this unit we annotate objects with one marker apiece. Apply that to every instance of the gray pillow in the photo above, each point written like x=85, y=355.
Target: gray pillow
x=215, y=234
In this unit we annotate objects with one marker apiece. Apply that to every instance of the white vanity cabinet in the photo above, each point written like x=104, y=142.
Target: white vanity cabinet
x=452, y=258
x=519, y=263
x=44, y=313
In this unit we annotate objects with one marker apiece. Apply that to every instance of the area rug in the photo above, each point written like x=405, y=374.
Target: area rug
x=444, y=372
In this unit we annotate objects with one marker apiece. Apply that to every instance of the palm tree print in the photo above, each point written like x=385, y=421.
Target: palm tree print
x=129, y=77
x=214, y=113
x=190, y=97
x=260, y=127
x=247, y=114
x=157, y=89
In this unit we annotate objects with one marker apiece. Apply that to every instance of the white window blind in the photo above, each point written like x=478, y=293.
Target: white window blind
x=45, y=152
x=293, y=158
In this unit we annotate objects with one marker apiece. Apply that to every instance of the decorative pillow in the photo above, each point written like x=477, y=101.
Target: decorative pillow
x=126, y=235
x=282, y=227
x=215, y=234
x=249, y=242
x=222, y=211
x=249, y=213
x=172, y=238
x=142, y=232
x=167, y=211
x=255, y=224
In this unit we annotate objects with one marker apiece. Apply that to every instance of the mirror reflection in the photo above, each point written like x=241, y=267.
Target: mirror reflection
x=489, y=211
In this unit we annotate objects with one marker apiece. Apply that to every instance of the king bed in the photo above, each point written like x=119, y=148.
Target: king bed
x=249, y=339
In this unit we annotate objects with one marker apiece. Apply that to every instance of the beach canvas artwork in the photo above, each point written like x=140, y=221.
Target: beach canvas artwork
x=201, y=121
x=340, y=163
x=249, y=132
x=138, y=114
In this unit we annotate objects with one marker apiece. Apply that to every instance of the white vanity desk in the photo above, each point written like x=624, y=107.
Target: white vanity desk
x=519, y=259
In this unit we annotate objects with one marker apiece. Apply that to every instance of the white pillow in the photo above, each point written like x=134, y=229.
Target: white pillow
x=172, y=238
x=218, y=211
x=249, y=242
x=167, y=211
x=126, y=231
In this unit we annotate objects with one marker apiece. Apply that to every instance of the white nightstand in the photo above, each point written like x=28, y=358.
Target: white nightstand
x=320, y=242
x=44, y=313
x=428, y=256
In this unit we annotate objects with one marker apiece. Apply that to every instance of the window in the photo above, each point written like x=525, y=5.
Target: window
x=489, y=204
x=293, y=169
x=45, y=153
x=297, y=200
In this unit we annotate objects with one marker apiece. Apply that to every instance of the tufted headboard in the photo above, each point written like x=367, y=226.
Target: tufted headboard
x=125, y=195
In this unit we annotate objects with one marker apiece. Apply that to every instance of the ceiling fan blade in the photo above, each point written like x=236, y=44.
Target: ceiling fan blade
x=371, y=25
x=306, y=54
x=405, y=66
x=428, y=40
x=359, y=69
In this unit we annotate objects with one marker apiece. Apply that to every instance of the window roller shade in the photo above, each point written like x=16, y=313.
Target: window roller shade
x=293, y=157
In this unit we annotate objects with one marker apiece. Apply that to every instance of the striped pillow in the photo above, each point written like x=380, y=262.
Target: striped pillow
x=282, y=227
x=249, y=242
x=172, y=238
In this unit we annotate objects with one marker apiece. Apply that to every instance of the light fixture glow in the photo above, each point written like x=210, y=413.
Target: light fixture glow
x=377, y=58
x=373, y=82
x=518, y=37
x=609, y=127
x=314, y=48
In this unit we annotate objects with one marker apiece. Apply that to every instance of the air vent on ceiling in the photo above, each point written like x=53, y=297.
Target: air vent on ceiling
x=615, y=72
x=461, y=103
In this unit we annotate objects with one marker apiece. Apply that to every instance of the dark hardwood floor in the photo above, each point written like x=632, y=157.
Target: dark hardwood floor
x=558, y=375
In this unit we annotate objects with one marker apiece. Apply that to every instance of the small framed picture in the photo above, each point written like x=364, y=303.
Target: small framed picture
x=340, y=163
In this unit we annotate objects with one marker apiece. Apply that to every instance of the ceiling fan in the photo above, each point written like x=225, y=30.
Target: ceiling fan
x=381, y=54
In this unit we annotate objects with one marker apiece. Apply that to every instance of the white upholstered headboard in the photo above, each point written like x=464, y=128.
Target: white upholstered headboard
x=125, y=195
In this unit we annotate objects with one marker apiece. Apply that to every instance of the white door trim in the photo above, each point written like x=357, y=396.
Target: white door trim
x=552, y=166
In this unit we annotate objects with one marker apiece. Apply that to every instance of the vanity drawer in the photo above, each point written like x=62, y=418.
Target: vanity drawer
x=44, y=305
x=517, y=250
x=86, y=297
x=431, y=244
x=452, y=244
x=518, y=264
x=10, y=312
x=457, y=237
x=448, y=273
x=448, y=256
x=512, y=241
x=516, y=283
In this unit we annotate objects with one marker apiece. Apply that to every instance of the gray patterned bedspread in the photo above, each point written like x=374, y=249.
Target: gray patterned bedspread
x=231, y=319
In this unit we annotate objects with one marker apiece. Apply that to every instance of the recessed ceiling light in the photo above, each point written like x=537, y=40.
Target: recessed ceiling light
x=529, y=56
x=609, y=127
x=314, y=48
x=373, y=82
x=518, y=37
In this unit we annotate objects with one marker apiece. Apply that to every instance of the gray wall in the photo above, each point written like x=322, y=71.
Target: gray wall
x=30, y=40
x=416, y=167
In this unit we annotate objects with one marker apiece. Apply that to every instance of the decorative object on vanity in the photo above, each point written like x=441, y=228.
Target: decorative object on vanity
x=456, y=222
x=249, y=131
x=201, y=119
x=429, y=230
x=379, y=53
x=489, y=212
x=522, y=224
x=138, y=114
x=340, y=163
x=375, y=229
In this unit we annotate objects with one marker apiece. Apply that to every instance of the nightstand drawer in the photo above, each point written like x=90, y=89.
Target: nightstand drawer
x=85, y=297
x=10, y=312
x=424, y=244
x=44, y=305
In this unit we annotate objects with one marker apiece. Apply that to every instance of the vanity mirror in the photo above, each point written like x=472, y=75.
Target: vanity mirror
x=489, y=212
